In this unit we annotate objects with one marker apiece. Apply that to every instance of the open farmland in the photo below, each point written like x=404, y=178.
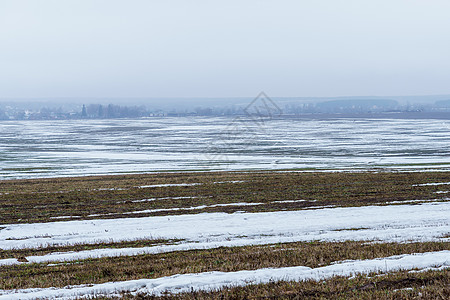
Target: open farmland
x=226, y=234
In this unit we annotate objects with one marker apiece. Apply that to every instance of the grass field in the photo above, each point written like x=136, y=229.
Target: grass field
x=44, y=200
x=57, y=232
x=397, y=285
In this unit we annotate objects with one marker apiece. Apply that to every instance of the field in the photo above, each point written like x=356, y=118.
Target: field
x=196, y=235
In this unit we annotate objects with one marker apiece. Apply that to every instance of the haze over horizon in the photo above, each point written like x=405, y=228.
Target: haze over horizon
x=162, y=49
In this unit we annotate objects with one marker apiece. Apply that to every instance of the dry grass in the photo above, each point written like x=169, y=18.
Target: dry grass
x=398, y=285
x=313, y=254
x=17, y=253
x=41, y=200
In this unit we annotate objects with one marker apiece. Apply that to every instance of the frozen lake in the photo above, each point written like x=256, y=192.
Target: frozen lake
x=84, y=147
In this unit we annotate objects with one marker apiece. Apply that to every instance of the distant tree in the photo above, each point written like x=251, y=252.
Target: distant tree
x=100, y=111
x=83, y=112
x=91, y=110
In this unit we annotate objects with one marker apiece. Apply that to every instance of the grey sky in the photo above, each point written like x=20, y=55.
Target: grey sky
x=96, y=48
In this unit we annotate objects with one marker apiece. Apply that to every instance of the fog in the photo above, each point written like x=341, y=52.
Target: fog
x=134, y=48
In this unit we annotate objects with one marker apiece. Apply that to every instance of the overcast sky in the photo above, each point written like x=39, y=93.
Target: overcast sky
x=133, y=48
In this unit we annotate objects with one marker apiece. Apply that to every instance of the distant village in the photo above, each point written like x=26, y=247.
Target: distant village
x=36, y=111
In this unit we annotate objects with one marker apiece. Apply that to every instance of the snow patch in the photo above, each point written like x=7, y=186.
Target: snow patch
x=403, y=223
x=215, y=280
x=432, y=183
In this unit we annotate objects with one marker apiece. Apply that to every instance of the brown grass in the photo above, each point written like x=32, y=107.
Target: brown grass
x=16, y=253
x=397, y=285
x=40, y=200
x=314, y=254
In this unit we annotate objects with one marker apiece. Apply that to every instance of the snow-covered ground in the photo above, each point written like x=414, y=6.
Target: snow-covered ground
x=214, y=280
x=90, y=147
x=33, y=149
x=398, y=223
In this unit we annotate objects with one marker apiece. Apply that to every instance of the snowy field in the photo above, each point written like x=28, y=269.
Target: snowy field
x=178, y=233
x=391, y=223
x=403, y=223
x=32, y=149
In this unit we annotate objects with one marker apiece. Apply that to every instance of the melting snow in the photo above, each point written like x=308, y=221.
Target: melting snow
x=433, y=183
x=215, y=280
x=403, y=223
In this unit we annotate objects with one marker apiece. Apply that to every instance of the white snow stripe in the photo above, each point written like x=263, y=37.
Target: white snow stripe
x=187, y=184
x=417, y=201
x=432, y=183
x=139, y=186
x=147, y=211
x=157, y=199
x=422, y=222
x=168, y=184
x=428, y=222
x=215, y=280
x=115, y=252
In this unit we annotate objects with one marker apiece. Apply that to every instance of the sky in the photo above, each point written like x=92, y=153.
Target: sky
x=169, y=48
